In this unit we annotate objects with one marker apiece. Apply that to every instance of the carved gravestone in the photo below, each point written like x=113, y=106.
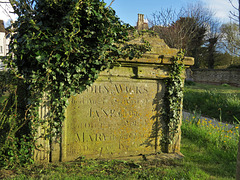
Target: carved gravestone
x=117, y=116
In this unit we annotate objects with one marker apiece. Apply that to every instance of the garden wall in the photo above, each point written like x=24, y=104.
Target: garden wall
x=216, y=76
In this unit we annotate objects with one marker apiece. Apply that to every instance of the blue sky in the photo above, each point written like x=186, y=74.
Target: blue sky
x=127, y=10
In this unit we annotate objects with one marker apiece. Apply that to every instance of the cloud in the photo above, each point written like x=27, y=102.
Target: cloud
x=221, y=8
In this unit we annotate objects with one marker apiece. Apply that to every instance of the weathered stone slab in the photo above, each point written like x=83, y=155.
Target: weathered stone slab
x=112, y=118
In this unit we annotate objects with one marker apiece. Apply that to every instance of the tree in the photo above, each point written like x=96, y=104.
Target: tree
x=59, y=47
x=212, y=41
x=230, y=38
x=211, y=52
x=185, y=29
x=194, y=37
x=233, y=15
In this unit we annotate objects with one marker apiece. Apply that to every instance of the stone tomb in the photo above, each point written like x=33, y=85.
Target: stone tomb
x=116, y=116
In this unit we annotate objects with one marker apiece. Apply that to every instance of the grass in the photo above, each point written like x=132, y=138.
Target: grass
x=219, y=143
x=210, y=153
x=221, y=102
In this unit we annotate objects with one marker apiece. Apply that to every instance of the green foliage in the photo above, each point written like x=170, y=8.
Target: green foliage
x=190, y=83
x=231, y=40
x=173, y=97
x=58, y=48
x=15, y=148
x=222, y=61
x=6, y=83
x=234, y=66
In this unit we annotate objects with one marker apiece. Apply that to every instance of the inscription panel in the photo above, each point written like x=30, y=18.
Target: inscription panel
x=111, y=119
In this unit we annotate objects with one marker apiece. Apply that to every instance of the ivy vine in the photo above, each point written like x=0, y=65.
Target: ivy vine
x=58, y=48
x=173, y=98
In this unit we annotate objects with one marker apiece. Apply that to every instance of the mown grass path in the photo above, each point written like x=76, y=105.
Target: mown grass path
x=213, y=121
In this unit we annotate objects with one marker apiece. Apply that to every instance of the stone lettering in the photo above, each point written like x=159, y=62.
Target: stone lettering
x=91, y=137
x=123, y=146
x=100, y=137
x=81, y=101
x=78, y=138
x=98, y=89
x=99, y=113
x=117, y=88
x=93, y=113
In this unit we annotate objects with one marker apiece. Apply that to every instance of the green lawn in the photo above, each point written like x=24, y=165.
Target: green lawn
x=224, y=88
x=221, y=102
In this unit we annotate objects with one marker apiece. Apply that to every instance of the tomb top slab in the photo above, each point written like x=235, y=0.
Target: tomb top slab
x=160, y=52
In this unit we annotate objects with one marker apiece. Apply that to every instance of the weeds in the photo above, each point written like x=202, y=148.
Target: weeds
x=217, y=134
x=15, y=144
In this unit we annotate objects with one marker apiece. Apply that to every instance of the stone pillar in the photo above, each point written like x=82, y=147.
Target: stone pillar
x=42, y=151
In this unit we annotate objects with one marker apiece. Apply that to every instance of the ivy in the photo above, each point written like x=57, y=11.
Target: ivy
x=58, y=48
x=173, y=98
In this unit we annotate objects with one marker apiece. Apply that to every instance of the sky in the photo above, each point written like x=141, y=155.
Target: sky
x=128, y=10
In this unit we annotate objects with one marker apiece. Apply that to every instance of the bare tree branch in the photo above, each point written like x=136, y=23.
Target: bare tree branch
x=234, y=19
x=233, y=5
x=5, y=11
x=233, y=14
x=111, y=3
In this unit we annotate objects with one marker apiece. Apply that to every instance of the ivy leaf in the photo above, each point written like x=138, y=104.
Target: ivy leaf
x=57, y=56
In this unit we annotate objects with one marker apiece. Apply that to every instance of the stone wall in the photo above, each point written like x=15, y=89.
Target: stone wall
x=216, y=76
